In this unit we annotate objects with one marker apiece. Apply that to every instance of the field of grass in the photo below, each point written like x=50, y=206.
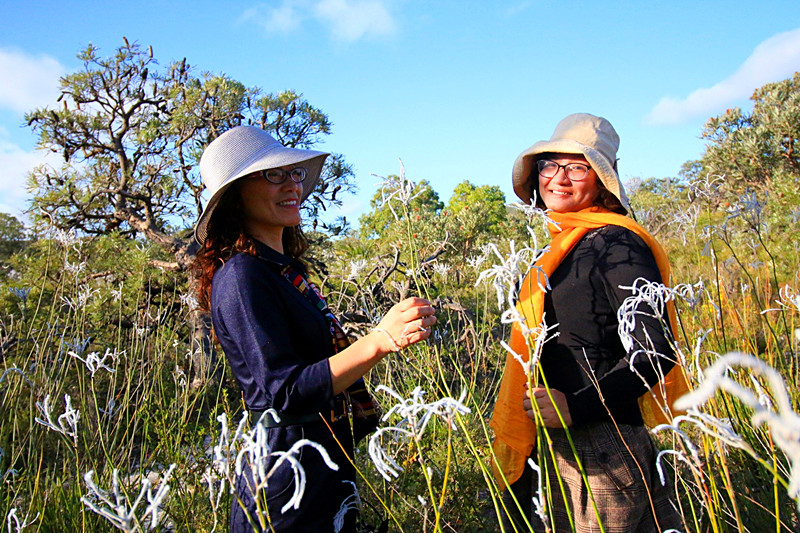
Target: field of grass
x=107, y=422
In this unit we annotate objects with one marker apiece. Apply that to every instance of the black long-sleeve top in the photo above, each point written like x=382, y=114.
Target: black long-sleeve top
x=584, y=300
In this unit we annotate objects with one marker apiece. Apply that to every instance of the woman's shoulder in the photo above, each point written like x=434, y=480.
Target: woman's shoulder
x=612, y=235
x=242, y=270
x=616, y=248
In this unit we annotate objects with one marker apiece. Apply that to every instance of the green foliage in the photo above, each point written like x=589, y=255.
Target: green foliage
x=385, y=215
x=68, y=295
x=131, y=133
x=475, y=215
x=758, y=150
x=13, y=237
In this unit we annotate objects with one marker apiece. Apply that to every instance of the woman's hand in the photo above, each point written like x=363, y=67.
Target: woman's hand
x=548, y=409
x=406, y=323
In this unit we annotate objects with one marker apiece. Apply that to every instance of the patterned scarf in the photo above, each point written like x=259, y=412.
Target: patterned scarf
x=515, y=433
x=361, y=405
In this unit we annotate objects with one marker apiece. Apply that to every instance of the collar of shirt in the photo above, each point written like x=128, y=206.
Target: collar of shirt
x=276, y=259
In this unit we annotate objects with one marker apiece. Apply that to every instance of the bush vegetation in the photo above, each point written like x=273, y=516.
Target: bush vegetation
x=104, y=386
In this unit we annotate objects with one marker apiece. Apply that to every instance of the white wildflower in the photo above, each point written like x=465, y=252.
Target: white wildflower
x=356, y=268
x=94, y=362
x=476, y=261
x=717, y=428
x=680, y=455
x=79, y=345
x=384, y=464
x=111, y=408
x=14, y=369
x=19, y=525
x=258, y=455
x=67, y=422
x=750, y=209
x=180, y=376
x=352, y=502
x=763, y=397
x=80, y=300
x=414, y=416
x=649, y=299
x=538, y=500
x=189, y=301
x=116, y=294
x=692, y=294
x=409, y=410
x=398, y=188
x=122, y=513
x=66, y=237
x=685, y=221
x=789, y=299
x=250, y=448
x=706, y=187
x=780, y=418
x=507, y=276
x=74, y=268
x=540, y=335
x=441, y=269
x=534, y=213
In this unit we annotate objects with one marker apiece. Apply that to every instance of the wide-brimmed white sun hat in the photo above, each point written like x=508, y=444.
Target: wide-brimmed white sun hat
x=241, y=151
x=580, y=133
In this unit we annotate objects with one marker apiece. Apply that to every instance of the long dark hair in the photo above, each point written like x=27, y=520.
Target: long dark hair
x=227, y=236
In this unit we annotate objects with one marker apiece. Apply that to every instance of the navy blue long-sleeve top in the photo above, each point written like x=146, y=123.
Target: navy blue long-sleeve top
x=276, y=341
x=278, y=344
x=588, y=352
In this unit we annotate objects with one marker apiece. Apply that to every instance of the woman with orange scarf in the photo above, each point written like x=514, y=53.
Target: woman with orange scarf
x=586, y=397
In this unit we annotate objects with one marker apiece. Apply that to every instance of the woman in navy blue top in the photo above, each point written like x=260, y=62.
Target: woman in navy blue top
x=286, y=350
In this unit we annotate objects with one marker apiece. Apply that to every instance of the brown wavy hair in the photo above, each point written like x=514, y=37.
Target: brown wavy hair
x=227, y=236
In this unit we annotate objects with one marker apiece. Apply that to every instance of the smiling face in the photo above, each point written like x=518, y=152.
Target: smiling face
x=563, y=195
x=268, y=208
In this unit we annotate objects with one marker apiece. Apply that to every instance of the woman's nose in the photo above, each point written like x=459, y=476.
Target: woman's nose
x=289, y=185
x=561, y=176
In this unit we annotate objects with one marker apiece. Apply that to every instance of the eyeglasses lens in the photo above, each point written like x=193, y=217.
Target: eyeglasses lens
x=573, y=171
x=278, y=176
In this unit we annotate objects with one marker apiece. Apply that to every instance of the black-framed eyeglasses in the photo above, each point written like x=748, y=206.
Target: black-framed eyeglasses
x=573, y=171
x=279, y=176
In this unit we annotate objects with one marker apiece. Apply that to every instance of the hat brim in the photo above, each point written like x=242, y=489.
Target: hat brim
x=273, y=156
x=523, y=167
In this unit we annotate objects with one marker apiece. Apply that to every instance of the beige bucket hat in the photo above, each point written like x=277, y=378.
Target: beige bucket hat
x=241, y=151
x=580, y=133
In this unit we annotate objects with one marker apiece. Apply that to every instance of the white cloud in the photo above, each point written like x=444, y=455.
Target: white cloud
x=773, y=60
x=28, y=81
x=348, y=20
x=283, y=18
x=15, y=163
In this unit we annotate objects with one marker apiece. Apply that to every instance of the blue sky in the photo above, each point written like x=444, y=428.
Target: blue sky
x=456, y=89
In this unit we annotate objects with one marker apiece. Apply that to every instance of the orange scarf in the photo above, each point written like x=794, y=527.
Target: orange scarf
x=515, y=433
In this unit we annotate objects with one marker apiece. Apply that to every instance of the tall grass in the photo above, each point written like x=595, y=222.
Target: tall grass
x=90, y=320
